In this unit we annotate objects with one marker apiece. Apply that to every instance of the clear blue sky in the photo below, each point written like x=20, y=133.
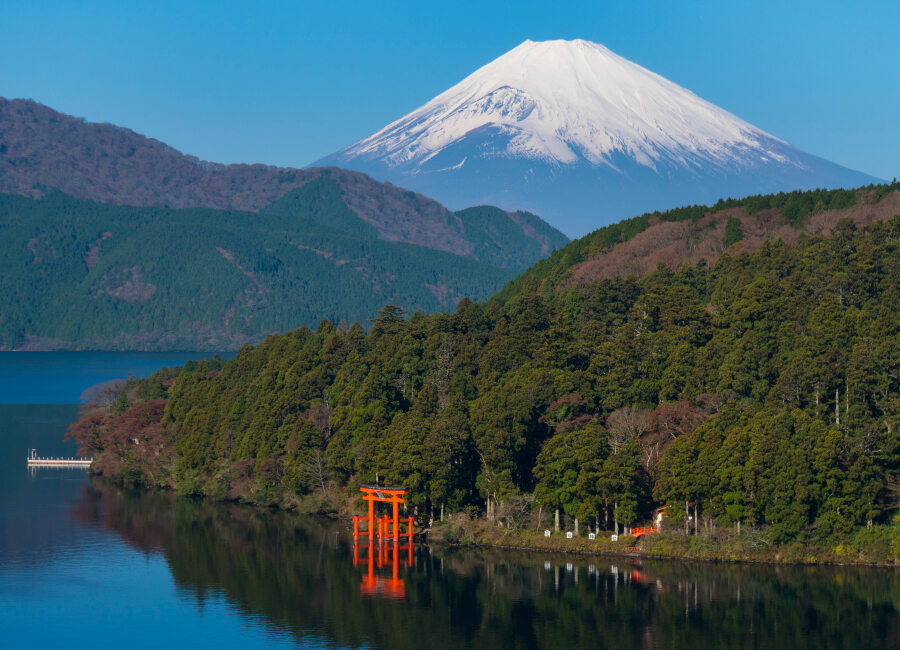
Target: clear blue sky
x=288, y=82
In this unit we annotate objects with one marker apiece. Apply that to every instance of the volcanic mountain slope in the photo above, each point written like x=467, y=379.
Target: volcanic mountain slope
x=42, y=149
x=583, y=137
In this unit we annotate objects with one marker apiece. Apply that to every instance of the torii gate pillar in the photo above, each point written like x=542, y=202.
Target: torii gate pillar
x=396, y=521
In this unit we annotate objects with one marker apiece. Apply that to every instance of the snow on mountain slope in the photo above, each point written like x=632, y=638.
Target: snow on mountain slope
x=561, y=101
x=583, y=137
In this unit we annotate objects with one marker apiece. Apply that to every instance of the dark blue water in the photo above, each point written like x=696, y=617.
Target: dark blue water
x=62, y=377
x=85, y=564
x=70, y=582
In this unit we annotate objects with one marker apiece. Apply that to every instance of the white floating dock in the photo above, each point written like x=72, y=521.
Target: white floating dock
x=33, y=460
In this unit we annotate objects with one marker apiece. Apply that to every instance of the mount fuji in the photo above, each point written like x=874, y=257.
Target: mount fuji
x=575, y=133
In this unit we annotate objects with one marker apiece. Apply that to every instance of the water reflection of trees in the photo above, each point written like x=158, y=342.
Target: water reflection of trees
x=296, y=574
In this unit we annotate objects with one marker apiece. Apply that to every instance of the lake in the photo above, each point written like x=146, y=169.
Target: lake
x=86, y=564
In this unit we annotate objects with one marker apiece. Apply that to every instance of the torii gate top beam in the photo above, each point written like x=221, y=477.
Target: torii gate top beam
x=379, y=493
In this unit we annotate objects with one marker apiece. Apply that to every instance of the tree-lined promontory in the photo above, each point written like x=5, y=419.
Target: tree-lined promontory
x=760, y=392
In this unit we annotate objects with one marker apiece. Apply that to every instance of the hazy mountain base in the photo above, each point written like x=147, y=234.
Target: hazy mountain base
x=578, y=197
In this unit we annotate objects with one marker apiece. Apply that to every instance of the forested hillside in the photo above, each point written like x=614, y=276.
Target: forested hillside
x=691, y=234
x=84, y=275
x=762, y=390
x=42, y=150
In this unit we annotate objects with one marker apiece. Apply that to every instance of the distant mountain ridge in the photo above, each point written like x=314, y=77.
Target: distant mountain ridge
x=77, y=274
x=42, y=149
x=583, y=137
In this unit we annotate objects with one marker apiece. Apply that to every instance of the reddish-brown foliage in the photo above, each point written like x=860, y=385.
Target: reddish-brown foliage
x=101, y=396
x=319, y=415
x=674, y=244
x=137, y=436
x=567, y=413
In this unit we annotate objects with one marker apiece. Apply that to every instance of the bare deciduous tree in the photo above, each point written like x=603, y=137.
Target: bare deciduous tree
x=319, y=415
x=101, y=396
x=626, y=425
x=315, y=471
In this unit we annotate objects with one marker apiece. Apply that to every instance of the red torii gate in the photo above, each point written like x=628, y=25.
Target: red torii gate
x=392, y=495
x=373, y=585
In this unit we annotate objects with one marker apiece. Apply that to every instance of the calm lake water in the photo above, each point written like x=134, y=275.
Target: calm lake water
x=62, y=377
x=85, y=564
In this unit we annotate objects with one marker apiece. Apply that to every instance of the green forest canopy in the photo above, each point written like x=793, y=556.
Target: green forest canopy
x=86, y=274
x=796, y=207
x=764, y=390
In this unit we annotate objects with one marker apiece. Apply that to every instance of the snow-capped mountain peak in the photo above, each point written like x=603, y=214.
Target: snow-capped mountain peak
x=565, y=100
x=581, y=136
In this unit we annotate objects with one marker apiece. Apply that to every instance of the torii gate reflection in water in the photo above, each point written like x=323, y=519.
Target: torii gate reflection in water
x=388, y=530
x=373, y=585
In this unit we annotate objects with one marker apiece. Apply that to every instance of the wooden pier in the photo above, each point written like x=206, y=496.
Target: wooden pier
x=33, y=460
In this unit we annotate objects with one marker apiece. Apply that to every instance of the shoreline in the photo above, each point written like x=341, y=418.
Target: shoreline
x=459, y=531
x=675, y=558
x=479, y=534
